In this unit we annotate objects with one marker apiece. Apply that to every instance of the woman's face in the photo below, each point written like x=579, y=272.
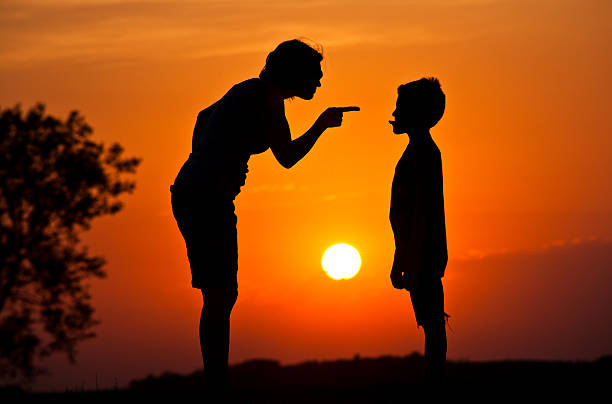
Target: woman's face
x=307, y=88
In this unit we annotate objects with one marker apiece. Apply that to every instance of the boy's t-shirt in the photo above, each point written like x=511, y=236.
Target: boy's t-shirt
x=417, y=211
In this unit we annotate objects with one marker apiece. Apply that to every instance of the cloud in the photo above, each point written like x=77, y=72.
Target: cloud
x=289, y=187
x=553, y=301
x=68, y=31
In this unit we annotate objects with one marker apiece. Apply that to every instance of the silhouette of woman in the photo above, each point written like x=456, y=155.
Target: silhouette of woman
x=247, y=120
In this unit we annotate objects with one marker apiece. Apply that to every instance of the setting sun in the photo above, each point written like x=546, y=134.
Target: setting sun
x=341, y=261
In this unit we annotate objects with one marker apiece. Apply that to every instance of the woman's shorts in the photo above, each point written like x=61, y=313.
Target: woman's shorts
x=208, y=224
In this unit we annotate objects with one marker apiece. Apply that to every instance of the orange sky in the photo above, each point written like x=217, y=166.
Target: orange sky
x=525, y=143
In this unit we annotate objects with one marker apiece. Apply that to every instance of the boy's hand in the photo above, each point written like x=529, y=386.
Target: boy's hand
x=403, y=273
x=397, y=278
x=397, y=275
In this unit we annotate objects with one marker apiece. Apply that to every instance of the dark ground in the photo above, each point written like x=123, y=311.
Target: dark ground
x=364, y=380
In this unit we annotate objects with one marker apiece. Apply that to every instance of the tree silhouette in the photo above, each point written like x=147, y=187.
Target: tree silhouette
x=54, y=180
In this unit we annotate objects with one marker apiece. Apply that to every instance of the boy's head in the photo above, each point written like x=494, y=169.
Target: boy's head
x=420, y=105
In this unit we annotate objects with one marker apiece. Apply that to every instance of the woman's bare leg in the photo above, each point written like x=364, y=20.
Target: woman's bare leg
x=215, y=333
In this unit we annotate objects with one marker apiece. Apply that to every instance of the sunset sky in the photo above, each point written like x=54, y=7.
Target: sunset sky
x=525, y=143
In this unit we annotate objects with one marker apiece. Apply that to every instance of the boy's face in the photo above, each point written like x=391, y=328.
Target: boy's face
x=405, y=114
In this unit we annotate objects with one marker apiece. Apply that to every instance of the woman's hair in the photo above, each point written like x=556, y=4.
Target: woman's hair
x=288, y=64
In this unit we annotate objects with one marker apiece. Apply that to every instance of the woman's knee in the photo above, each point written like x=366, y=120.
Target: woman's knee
x=219, y=299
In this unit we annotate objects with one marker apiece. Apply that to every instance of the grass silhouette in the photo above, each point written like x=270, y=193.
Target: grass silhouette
x=385, y=379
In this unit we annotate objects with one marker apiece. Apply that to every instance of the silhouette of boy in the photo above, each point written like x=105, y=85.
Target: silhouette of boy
x=417, y=216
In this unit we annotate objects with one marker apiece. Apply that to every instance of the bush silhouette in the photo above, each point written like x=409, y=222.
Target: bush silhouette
x=54, y=180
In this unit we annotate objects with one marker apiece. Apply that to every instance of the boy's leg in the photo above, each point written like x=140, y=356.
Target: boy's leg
x=435, y=351
x=428, y=304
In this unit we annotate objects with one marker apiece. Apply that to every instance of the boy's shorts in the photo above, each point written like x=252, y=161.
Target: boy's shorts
x=428, y=302
x=208, y=224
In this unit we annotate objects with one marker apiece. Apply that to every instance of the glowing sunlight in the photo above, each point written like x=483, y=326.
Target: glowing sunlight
x=341, y=261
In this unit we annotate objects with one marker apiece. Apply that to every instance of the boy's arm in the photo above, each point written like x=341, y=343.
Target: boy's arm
x=402, y=206
x=408, y=247
x=417, y=224
x=408, y=221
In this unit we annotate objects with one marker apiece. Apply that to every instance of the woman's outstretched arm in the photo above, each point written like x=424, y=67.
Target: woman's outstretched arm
x=288, y=152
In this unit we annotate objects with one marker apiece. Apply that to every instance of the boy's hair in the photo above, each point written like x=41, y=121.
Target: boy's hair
x=430, y=98
x=289, y=62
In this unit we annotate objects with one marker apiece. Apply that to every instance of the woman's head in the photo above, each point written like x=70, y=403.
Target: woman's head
x=295, y=67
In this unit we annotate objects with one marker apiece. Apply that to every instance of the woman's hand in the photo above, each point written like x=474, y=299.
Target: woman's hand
x=332, y=117
x=287, y=151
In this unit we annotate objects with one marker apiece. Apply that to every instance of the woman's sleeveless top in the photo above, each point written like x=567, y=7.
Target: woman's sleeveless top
x=226, y=135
